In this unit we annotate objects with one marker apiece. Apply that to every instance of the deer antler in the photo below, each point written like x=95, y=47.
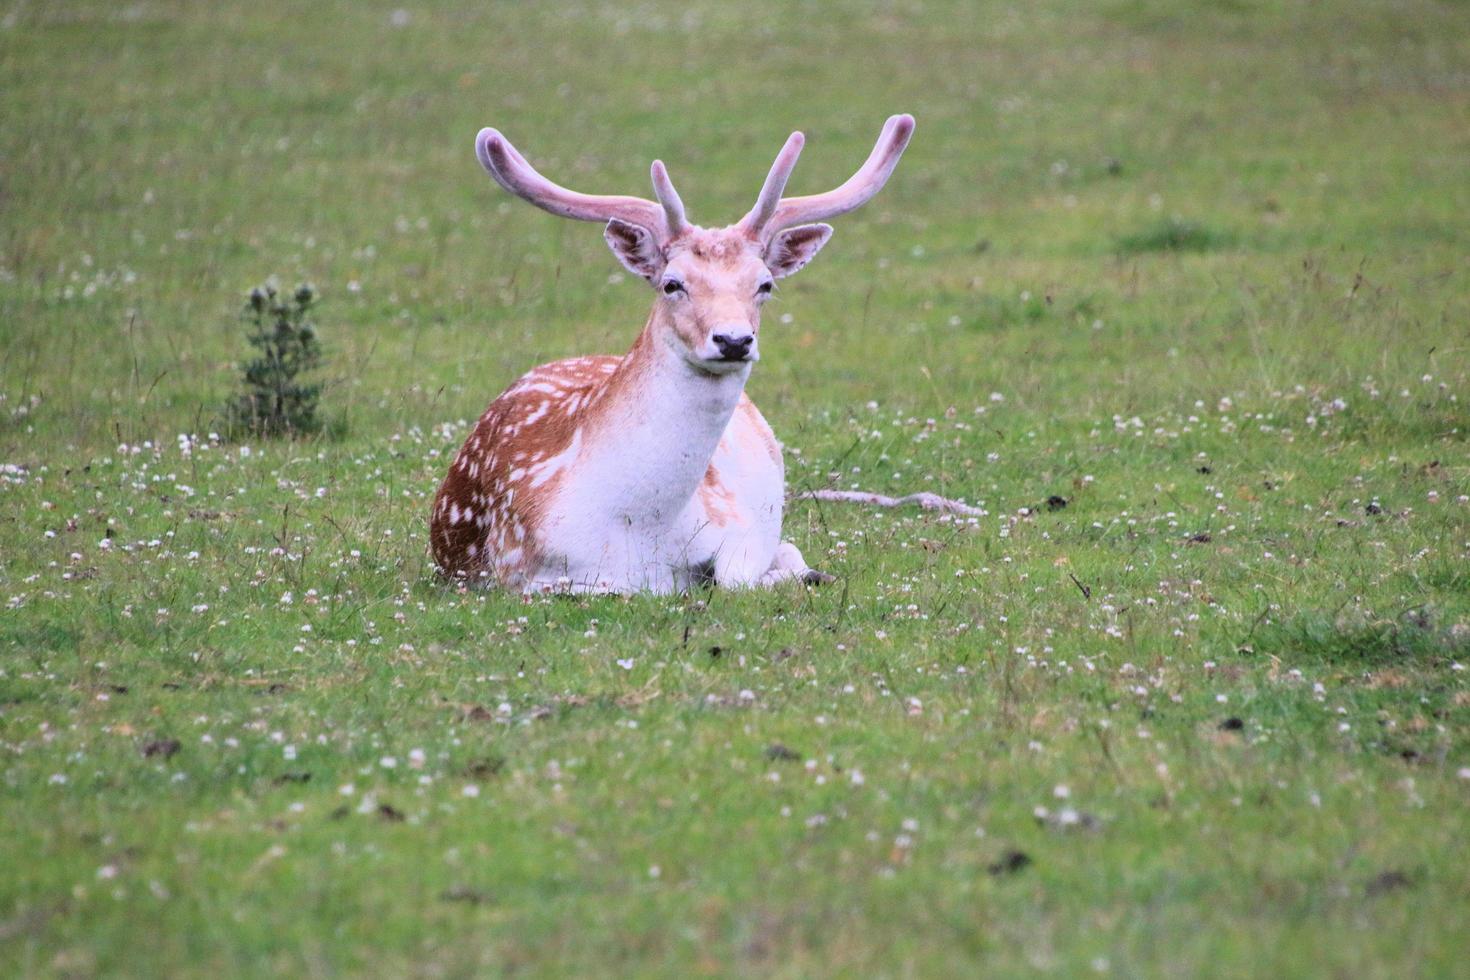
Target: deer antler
x=663, y=189
x=504, y=163
x=773, y=213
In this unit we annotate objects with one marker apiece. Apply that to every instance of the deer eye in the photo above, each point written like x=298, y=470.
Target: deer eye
x=764, y=289
x=672, y=287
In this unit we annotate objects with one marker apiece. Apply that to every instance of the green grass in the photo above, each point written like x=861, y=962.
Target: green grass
x=1172, y=235
x=1197, y=270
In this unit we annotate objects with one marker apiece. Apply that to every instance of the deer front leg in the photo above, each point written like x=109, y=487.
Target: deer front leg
x=740, y=563
x=789, y=564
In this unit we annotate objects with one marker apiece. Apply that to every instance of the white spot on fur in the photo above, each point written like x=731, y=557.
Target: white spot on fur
x=547, y=469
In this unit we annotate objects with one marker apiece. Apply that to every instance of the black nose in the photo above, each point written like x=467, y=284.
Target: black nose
x=733, y=348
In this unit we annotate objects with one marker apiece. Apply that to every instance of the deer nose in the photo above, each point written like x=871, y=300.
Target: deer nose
x=733, y=347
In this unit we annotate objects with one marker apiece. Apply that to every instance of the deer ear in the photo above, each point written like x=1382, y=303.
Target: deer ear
x=795, y=247
x=635, y=248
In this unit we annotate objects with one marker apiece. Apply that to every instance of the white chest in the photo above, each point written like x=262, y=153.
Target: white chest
x=649, y=510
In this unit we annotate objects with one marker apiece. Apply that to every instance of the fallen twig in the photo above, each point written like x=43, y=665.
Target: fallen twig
x=1086, y=592
x=928, y=501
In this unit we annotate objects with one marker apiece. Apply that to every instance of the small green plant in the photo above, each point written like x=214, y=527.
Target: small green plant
x=275, y=401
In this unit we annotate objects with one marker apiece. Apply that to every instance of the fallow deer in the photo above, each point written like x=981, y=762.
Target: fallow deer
x=650, y=471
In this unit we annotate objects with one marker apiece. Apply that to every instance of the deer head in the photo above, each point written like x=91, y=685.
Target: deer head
x=710, y=283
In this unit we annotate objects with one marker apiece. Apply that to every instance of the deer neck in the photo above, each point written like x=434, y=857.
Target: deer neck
x=657, y=425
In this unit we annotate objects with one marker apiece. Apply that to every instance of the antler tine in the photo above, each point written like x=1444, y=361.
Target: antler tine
x=857, y=190
x=511, y=171
x=663, y=189
x=770, y=195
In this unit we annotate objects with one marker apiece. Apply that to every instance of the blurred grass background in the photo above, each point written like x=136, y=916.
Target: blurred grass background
x=174, y=154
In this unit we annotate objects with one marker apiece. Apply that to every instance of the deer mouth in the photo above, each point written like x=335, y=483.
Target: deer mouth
x=719, y=366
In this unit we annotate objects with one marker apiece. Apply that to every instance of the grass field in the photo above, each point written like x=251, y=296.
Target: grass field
x=1179, y=294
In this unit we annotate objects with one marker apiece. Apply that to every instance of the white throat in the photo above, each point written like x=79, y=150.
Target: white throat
x=647, y=467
